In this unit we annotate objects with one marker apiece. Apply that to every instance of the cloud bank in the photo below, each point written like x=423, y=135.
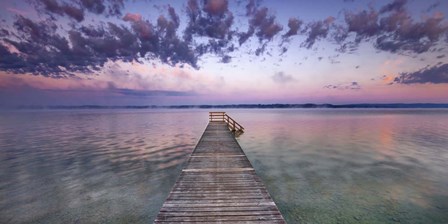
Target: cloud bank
x=434, y=75
x=48, y=48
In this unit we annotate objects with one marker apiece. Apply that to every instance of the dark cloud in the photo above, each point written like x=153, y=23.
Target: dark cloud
x=265, y=25
x=42, y=50
x=393, y=29
x=435, y=75
x=160, y=40
x=226, y=59
x=45, y=50
x=4, y=32
x=58, y=50
x=53, y=6
x=76, y=9
x=193, y=9
x=251, y=7
x=74, y=12
x=116, y=43
x=262, y=25
x=173, y=16
x=363, y=24
x=396, y=5
x=294, y=26
x=214, y=20
x=143, y=28
x=11, y=61
x=114, y=7
x=402, y=34
x=216, y=7
x=283, y=50
x=209, y=19
x=216, y=46
x=281, y=78
x=344, y=86
x=95, y=6
x=440, y=56
x=317, y=30
x=243, y=37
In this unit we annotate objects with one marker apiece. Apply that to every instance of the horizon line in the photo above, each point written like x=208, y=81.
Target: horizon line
x=236, y=106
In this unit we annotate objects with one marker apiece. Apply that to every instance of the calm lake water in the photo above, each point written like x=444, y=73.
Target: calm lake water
x=320, y=165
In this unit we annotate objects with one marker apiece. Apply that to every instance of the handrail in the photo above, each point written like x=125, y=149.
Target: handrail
x=231, y=123
x=217, y=116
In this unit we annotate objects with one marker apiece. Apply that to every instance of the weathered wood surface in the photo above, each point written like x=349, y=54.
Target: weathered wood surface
x=218, y=185
x=234, y=126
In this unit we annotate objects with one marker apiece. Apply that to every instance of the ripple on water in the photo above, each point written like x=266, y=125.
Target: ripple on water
x=91, y=166
x=320, y=166
x=350, y=166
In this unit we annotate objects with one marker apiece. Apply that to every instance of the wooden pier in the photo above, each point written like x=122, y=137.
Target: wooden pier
x=218, y=184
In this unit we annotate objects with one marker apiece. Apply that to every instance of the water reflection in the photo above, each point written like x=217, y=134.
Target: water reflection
x=351, y=166
x=320, y=166
x=91, y=166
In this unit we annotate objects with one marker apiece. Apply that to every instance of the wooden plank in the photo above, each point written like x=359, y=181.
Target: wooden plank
x=217, y=213
x=231, y=222
x=220, y=218
x=217, y=170
x=208, y=209
x=217, y=205
x=218, y=184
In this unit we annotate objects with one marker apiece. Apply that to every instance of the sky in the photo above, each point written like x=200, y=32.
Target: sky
x=118, y=52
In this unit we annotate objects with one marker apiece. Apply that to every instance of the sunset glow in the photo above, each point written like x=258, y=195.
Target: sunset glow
x=222, y=52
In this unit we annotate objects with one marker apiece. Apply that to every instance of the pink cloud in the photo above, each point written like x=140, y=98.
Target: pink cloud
x=17, y=11
x=216, y=7
x=134, y=17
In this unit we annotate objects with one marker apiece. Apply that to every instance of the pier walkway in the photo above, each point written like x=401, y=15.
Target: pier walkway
x=218, y=184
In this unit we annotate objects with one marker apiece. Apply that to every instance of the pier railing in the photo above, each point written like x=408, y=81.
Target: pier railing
x=231, y=123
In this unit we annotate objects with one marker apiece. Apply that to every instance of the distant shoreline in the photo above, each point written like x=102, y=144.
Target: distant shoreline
x=242, y=106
